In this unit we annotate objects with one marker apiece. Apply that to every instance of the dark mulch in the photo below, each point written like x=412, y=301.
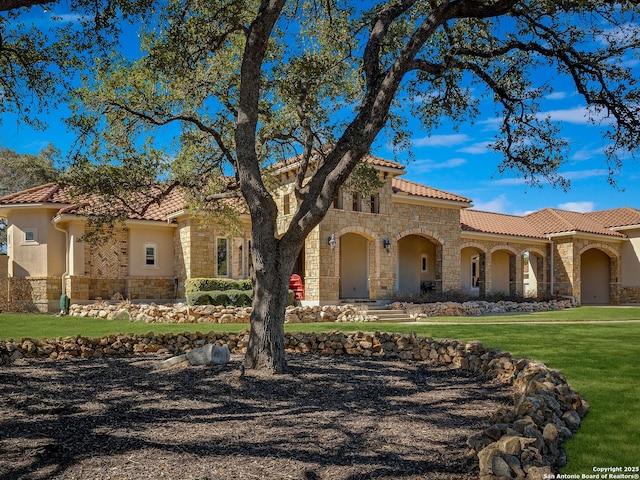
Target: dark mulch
x=329, y=418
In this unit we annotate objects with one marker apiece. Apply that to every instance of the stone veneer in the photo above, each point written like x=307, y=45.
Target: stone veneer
x=567, y=273
x=40, y=294
x=523, y=440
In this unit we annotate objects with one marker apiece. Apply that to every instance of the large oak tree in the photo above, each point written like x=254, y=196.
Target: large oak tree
x=229, y=87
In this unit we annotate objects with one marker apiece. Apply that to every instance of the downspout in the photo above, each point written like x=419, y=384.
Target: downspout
x=66, y=254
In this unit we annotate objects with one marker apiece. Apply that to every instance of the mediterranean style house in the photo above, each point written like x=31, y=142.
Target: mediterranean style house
x=406, y=238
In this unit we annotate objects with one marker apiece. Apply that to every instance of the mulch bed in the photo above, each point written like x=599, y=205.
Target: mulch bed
x=328, y=418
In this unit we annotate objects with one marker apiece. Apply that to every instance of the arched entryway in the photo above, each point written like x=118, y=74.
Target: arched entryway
x=595, y=277
x=533, y=273
x=354, y=266
x=418, y=264
x=472, y=271
x=503, y=272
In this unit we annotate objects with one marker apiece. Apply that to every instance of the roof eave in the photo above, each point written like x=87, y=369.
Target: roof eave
x=484, y=235
x=416, y=199
x=578, y=233
x=626, y=227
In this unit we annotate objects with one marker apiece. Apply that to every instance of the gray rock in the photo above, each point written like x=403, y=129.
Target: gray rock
x=209, y=354
x=501, y=468
x=572, y=420
x=173, y=361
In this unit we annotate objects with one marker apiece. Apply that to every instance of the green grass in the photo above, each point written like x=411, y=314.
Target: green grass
x=600, y=360
x=580, y=314
x=19, y=326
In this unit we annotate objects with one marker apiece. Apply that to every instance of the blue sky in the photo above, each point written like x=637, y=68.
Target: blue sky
x=459, y=161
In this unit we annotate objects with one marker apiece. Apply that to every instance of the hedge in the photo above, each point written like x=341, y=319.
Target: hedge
x=237, y=298
x=193, y=285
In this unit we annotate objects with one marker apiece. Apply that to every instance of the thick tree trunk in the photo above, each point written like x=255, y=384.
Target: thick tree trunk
x=266, y=339
x=272, y=269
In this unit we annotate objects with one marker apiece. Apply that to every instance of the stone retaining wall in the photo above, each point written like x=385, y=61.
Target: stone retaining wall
x=181, y=313
x=478, y=308
x=524, y=440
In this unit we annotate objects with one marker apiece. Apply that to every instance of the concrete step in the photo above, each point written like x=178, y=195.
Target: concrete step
x=391, y=316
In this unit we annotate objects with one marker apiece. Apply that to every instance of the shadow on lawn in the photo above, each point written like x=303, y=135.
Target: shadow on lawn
x=346, y=417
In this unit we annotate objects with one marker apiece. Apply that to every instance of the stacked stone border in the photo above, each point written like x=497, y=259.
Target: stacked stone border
x=523, y=440
x=182, y=313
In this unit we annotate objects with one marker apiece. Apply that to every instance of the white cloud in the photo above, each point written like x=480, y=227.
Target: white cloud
x=577, y=115
x=508, y=181
x=556, y=96
x=581, y=207
x=477, y=148
x=441, y=140
x=582, y=174
x=427, y=165
x=496, y=205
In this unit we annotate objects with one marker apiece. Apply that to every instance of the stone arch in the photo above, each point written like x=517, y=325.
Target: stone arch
x=611, y=252
x=478, y=246
x=422, y=232
x=598, y=274
x=418, y=261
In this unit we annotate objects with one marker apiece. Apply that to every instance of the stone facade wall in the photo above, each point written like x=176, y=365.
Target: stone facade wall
x=563, y=268
x=516, y=250
x=523, y=440
x=4, y=282
x=105, y=288
x=33, y=294
x=395, y=220
x=195, y=250
x=630, y=295
x=152, y=288
x=77, y=287
x=567, y=274
x=109, y=258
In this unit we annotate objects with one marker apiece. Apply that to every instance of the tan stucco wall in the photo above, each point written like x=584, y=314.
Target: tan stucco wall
x=595, y=270
x=630, y=253
x=500, y=272
x=411, y=250
x=44, y=256
x=160, y=236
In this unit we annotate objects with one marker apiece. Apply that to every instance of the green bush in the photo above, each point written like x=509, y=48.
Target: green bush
x=239, y=298
x=236, y=298
x=212, y=284
x=199, y=298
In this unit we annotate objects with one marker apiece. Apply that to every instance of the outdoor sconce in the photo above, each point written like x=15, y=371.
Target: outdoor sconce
x=386, y=244
x=332, y=241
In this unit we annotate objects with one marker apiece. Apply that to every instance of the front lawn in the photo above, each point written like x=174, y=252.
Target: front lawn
x=600, y=361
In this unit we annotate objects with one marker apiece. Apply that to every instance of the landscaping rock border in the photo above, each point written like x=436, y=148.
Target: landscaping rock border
x=182, y=313
x=524, y=440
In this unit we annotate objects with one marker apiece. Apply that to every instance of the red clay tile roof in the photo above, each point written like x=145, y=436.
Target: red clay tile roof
x=47, y=193
x=551, y=220
x=498, y=223
x=616, y=217
x=400, y=185
x=377, y=161
x=61, y=197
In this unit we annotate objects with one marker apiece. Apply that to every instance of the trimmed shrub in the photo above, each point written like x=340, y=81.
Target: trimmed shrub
x=212, y=284
x=239, y=298
x=199, y=298
x=236, y=298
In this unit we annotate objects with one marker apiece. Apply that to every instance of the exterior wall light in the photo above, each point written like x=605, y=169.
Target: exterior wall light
x=386, y=244
x=332, y=241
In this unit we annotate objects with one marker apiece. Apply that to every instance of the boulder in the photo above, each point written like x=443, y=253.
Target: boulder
x=209, y=354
